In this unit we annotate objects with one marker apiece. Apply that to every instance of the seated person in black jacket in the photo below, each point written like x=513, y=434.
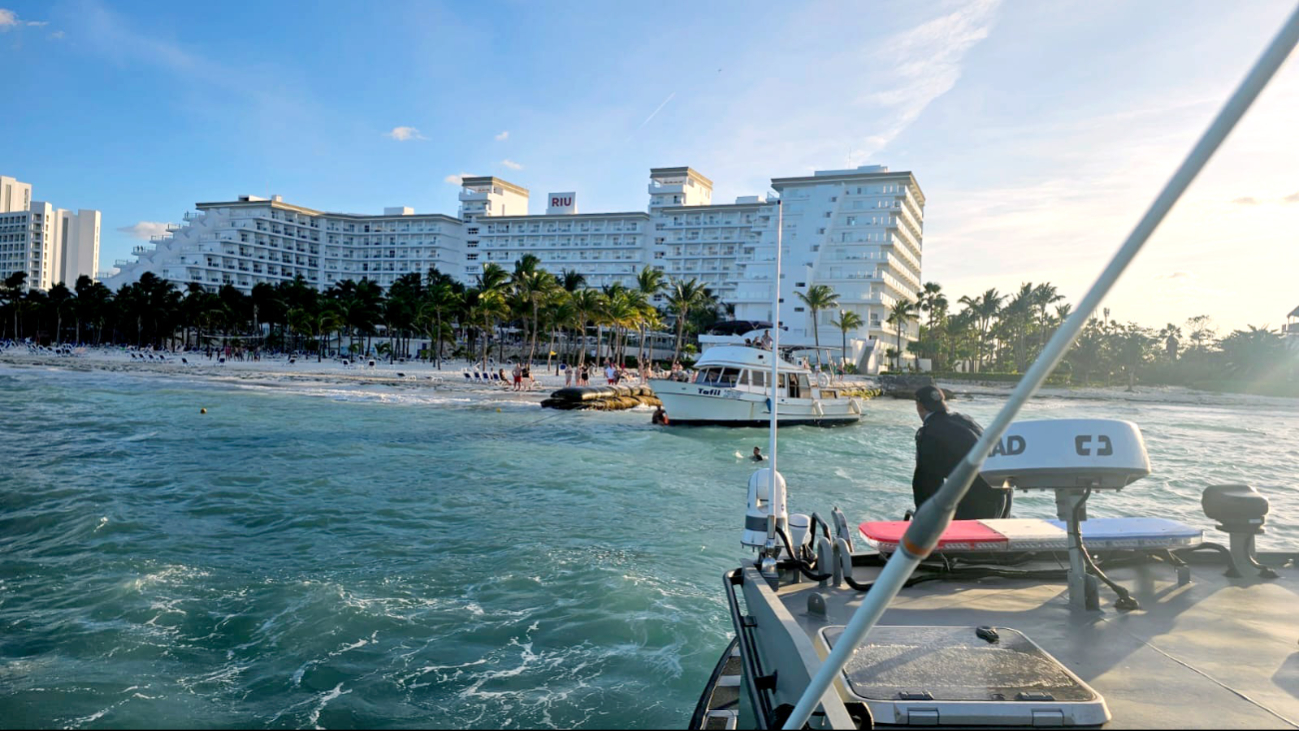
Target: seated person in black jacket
x=942, y=442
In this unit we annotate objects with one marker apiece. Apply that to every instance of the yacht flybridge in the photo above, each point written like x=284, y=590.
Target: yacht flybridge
x=1023, y=622
x=732, y=386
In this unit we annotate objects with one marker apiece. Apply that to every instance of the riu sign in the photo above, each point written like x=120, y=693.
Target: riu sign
x=561, y=203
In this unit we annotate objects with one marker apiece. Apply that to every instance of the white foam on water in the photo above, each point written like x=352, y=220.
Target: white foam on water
x=323, y=700
x=140, y=437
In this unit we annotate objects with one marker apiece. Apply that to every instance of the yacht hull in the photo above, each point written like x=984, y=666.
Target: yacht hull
x=690, y=404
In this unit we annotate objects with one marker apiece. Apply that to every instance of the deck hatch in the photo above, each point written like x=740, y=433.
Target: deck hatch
x=952, y=676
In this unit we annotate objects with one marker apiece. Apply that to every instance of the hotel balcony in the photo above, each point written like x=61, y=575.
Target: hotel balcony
x=656, y=188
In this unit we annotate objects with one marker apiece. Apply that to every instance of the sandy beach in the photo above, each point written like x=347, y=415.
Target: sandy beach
x=451, y=378
x=279, y=370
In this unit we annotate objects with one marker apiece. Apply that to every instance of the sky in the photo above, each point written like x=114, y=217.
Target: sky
x=1039, y=132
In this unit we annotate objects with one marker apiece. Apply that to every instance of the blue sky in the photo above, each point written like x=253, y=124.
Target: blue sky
x=1038, y=131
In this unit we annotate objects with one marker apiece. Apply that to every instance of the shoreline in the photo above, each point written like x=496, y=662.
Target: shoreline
x=277, y=371
x=426, y=377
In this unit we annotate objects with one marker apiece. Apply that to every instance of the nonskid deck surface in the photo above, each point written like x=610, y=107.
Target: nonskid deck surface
x=1215, y=653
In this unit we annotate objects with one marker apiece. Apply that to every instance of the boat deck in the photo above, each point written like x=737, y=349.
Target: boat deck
x=1215, y=653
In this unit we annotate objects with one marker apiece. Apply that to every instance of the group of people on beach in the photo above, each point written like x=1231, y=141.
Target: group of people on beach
x=520, y=378
x=614, y=373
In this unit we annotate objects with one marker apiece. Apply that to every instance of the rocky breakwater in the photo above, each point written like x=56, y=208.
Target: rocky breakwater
x=904, y=386
x=601, y=398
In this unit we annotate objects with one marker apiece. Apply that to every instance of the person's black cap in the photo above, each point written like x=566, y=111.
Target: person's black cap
x=931, y=397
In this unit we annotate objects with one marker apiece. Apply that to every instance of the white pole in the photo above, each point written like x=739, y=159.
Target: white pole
x=933, y=517
x=777, y=494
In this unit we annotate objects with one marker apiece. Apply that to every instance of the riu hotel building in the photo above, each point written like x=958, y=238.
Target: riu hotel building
x=859, y=231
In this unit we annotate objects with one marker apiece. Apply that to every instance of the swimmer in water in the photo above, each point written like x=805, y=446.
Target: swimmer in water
x=757, y=455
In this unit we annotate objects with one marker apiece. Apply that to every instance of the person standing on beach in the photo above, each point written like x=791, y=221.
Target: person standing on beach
x=568, y=375
x=518, y=377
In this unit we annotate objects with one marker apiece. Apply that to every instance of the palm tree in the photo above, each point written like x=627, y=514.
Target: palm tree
x=585, y=303
x=1171, y=336
x=571, y=280
x=1018, y=318
x=1044, y=295
x=649, y=282
x=534, y=286
x=12, y=292
x=94, y=305
x=315, y=321
x=984, y=309
x=847, y=321
x=818, y=297
x=491, y=307
x=899, y=314
x=83, y=286
x=683, y=295
x=60, y=299
x=439, y=299
x=932, y=301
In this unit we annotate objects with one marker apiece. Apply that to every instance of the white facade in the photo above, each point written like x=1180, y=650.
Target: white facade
x=15, y=196
x=51, y=244
x=254, y=240
x=603, y=247
x=78, y=234
x=858, y=231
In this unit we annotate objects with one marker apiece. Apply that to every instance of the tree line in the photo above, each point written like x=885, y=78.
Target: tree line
x=1001, y=333
x=991, y=333
x=547, y=311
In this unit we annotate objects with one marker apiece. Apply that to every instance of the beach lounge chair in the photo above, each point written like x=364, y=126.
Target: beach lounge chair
x=466, y=375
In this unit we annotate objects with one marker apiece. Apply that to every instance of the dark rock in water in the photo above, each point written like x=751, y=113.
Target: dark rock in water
x=601, y=398
x=904, y=386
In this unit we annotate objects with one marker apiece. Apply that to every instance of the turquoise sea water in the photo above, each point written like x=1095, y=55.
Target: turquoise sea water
x=347, y=556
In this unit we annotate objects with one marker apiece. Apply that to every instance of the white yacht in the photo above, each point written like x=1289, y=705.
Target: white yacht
x=731, y=386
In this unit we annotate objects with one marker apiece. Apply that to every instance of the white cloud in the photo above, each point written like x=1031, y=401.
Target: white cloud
x=926, y=62
x=9, y=20
x=1246, y=201
x=404, y=134
x=511, y=164
x=457, y=178
x=145, y=229
x=503, y=136
x=1292, y=198
x=57, y=35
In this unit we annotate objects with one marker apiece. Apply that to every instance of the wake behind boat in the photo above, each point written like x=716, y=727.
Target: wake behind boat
x=732, y=387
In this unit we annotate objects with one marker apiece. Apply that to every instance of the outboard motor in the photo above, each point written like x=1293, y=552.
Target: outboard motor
x=1241, y=512
x=762, y=506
